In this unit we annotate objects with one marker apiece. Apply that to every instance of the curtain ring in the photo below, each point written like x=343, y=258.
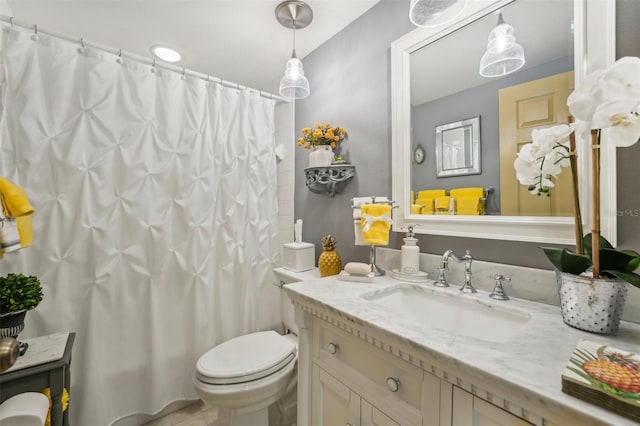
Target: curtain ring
x=82, y=42
x=11, y=21
x=35, y=28
x=119, y=53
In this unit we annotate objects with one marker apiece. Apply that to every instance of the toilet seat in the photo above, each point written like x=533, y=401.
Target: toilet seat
x=245, y=358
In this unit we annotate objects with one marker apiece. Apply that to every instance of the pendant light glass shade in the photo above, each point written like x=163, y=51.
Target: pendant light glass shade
x=294, y=85
x=294, y=14
x=503, y=55
x=431, y=13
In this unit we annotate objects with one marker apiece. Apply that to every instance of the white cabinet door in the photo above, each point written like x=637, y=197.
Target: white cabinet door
x=332, y=402
x=469, y=410
x=371, y=416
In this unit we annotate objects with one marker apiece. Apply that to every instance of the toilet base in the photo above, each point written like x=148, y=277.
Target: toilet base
x=255, y=418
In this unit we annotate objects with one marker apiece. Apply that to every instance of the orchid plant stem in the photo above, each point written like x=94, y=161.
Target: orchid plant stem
x=595, y=224
x=577, y=214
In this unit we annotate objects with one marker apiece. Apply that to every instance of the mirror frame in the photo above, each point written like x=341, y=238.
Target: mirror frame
x=594, y=32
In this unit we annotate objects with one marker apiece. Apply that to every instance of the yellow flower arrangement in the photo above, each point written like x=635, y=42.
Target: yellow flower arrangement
x=322, y=134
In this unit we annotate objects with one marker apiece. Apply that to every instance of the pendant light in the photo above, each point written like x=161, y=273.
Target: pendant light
x=503, y=55
x=295, y=15
x=431, y=13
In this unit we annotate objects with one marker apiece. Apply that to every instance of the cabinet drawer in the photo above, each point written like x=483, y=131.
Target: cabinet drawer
x=394, y=377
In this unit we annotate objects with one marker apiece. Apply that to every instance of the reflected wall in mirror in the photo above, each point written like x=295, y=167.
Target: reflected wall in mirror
x=435, y=80
x=442, y=91
x=458, y=148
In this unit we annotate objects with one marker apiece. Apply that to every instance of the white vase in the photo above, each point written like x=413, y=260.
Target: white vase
x=593, y=305
x=321, y=156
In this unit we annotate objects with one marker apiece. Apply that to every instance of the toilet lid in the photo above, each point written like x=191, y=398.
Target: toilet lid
x=245, y=358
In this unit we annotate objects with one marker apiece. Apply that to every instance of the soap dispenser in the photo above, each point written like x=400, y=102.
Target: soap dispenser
x=410, y=254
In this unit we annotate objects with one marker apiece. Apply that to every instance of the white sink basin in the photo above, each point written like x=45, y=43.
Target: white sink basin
x=457, y=314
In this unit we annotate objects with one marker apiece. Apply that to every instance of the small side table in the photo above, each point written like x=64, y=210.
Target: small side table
x=55, y=375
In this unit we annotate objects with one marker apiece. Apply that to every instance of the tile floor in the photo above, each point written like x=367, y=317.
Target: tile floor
x=196, y=414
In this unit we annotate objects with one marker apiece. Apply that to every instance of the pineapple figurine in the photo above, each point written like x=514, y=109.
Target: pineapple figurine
x=329, y=262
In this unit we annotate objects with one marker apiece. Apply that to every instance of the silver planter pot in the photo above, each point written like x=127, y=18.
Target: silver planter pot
x=12, y=323
x=593, y=305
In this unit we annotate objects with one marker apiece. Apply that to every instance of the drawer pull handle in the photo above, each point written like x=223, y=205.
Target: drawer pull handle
x=393, y=384
x=333, y=348
x=349, y=424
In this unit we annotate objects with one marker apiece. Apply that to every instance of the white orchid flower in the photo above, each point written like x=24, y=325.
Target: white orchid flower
x=621, y=82
x=610, y=100
x=545, y=140
x=536, y=165
x=583, y=101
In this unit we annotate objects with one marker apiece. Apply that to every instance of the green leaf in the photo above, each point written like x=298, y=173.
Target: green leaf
x=567, y=261
x=615, y=260
x=604, y=244
x=633, y=265
x=630, y=277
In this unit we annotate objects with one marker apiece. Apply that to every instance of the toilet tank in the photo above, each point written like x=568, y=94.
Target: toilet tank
x=285, y=277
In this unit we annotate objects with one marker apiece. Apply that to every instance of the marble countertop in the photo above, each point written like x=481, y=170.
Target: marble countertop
x=533, y=359
x=41, y=350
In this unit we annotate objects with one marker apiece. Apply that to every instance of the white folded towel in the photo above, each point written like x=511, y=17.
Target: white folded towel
x=356, y=202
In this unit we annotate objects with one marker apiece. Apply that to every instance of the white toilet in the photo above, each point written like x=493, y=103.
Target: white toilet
x=249, y=373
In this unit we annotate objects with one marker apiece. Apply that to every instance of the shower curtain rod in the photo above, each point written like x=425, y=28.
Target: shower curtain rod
x=10, y=20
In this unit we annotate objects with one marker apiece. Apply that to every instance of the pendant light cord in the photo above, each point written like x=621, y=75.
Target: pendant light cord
x=294, y=38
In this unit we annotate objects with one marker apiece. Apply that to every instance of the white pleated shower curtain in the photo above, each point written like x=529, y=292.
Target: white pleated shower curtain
x=155, y=228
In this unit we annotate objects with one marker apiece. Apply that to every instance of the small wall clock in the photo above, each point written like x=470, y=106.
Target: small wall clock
x=418, y=154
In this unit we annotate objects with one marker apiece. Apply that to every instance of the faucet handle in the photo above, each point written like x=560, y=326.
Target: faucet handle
x=441, y=280
x=498, y=292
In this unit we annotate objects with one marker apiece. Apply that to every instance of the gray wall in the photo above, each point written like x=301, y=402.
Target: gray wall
x=349, y=78
x=482, y=101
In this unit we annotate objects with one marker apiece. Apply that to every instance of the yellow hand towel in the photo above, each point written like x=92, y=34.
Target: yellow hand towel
x=443, y=205
x=431, y=193
x=16, y=204
x=376, y=222
x=468, y=206
x=416, y=209
x=467, y=192
x=427, y=205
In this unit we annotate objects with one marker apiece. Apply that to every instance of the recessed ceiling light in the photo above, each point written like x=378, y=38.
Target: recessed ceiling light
x=165, y=53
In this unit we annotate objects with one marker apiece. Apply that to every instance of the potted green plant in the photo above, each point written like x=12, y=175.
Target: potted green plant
x=592, y=280
x=18, y=294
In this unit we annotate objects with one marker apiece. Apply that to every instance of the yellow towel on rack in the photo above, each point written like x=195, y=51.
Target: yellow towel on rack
x=16, y=204
x=416, y=209
x=376, y=222
x=468, y=206
x=442, y=205
x=467, y=192
x=432, y=193
x=427, y=205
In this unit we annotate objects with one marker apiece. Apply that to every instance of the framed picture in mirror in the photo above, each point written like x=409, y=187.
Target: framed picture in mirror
x=458, y=148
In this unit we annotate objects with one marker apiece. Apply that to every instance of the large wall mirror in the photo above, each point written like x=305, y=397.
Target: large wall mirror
x=436, y=82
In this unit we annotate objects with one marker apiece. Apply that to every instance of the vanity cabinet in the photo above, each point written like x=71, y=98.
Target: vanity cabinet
x=363, y=363
x=358, y=378
x=336, y=404
x=356, y=383
x=469, y=410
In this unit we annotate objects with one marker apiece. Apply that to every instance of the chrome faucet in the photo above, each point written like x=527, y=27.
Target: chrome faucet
x=441, y=280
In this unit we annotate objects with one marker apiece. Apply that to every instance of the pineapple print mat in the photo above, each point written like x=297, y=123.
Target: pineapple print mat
x=605, y=376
